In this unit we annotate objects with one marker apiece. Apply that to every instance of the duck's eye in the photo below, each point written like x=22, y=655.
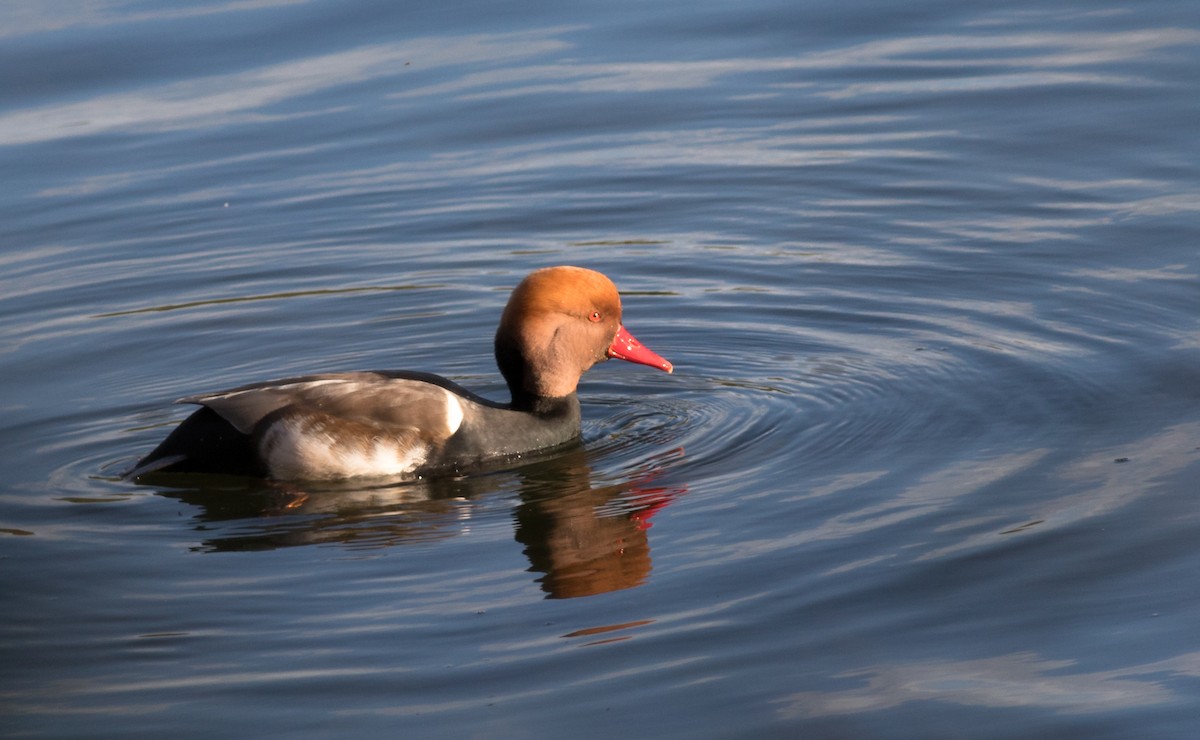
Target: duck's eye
x=594, y=316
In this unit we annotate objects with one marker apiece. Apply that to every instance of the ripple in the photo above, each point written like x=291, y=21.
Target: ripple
x=842, y=391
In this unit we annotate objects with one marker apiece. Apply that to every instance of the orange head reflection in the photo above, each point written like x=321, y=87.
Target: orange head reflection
x=586, y=540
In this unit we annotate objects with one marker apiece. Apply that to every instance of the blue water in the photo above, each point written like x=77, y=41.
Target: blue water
x=928, y=273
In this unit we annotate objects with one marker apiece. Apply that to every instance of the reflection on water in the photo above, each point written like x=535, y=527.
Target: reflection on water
x=1024, y=680
x=267, y=96
x=23, y=19
x=585, y=539
x=252, y=97
x=258, y=96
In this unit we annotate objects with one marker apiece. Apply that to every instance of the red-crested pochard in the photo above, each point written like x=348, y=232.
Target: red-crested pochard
x=559, y=322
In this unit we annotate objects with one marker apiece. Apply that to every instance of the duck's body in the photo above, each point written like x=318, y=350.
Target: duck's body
x=354, y=424
x=558, y=323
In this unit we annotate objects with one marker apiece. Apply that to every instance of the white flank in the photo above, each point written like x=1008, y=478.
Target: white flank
x=297, y=450
x=454, y=413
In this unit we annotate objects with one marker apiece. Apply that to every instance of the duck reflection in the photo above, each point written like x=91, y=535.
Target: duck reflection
x=582, y=539
x=587, y=540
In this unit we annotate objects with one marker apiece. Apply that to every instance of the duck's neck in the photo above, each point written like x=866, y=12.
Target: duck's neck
x=544, y=405
x=531, y=391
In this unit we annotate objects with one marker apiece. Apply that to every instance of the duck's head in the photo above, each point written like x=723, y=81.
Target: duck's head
x=559, y=322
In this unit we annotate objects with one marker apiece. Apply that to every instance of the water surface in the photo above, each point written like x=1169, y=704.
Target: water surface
x=927, y=272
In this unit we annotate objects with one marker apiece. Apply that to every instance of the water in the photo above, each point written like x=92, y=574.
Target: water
x=927, y=271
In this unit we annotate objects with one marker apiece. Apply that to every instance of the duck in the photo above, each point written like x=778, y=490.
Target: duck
x=557, y=324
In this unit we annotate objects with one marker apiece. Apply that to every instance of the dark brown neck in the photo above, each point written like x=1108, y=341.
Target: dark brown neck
x=516, y=371
x=513, y=367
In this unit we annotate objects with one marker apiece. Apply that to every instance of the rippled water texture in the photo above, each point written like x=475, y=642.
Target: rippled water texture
x=927, y=271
